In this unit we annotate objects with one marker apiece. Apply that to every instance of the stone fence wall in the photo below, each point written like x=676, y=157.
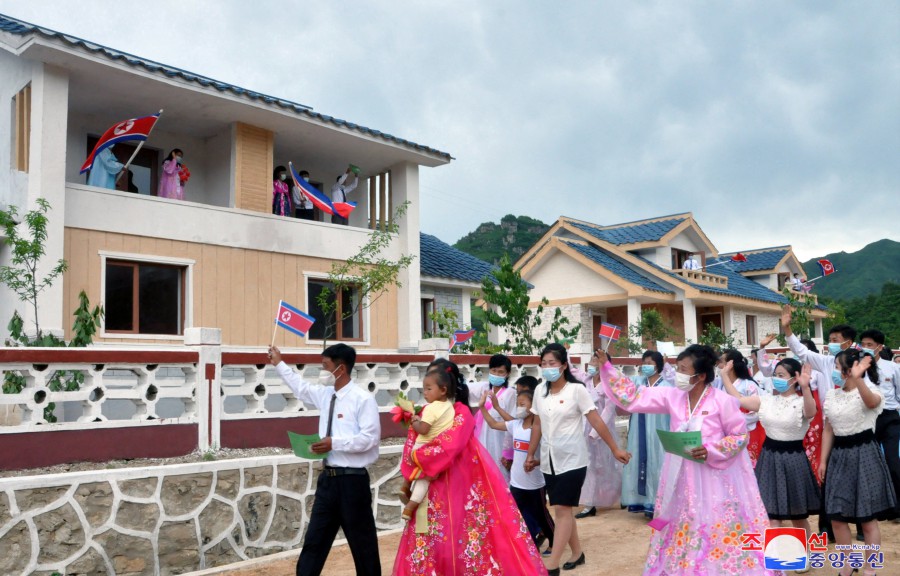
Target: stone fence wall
x=169, y=519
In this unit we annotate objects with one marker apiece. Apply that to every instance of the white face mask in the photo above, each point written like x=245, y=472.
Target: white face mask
x=522, y=412
x=326, y=378
x=306, y=178
x=683, y=381
x=282, y=177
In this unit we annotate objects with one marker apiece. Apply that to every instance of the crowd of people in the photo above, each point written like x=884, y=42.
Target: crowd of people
x=485, y=462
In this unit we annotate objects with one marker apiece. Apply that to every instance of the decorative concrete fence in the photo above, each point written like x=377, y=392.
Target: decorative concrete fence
x=167, y=402
x=168, y=519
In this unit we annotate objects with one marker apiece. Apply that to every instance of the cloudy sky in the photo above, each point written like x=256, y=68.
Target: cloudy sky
x=773, y=122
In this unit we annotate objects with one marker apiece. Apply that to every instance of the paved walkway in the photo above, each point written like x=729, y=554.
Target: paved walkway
x=615, y=543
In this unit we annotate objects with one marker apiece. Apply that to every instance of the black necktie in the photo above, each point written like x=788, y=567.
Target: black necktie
x=330, y=414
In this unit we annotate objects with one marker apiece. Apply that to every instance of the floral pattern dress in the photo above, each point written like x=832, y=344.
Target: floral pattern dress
x=474, y=527
x=702, y=508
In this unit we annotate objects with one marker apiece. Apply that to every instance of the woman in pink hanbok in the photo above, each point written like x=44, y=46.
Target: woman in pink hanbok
x=472, y=526
x=170, y=179
x=702, y=507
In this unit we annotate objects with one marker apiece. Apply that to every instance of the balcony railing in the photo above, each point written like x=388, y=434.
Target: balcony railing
x=704, y=278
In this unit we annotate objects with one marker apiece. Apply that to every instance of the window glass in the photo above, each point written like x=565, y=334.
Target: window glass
x=144, y=298
x=119, y=305
x=159, y=288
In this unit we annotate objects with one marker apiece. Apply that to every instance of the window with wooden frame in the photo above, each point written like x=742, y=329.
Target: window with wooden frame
x=428, y=311
x=751, y=330
x=348, y=310
x=144, y=298
x=21, y=107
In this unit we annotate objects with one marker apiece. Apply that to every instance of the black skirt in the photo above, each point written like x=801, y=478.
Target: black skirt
x=858, y=486
x=565, y=489
x=786, y=482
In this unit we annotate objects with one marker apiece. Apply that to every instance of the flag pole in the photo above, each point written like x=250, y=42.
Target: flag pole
x=275, y=328
x=138, y=149
x=717, y=264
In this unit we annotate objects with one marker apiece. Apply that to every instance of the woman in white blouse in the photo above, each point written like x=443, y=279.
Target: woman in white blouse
x=858, y=485
x=560, y=405
x=786, y=483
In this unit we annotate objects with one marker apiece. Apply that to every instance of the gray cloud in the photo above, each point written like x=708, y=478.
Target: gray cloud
x=775, y=123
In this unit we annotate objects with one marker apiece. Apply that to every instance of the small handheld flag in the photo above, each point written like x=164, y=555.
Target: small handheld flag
x=460, y=337
x=132, y=129
x=319, y=199
x=609, y=333
x=293, y=320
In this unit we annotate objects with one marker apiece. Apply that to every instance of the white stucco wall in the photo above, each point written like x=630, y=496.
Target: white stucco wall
x=15, y=74
x=684, y=242
x=561, y=277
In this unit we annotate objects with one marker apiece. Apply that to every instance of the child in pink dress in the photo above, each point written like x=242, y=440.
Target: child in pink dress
x=170, y=179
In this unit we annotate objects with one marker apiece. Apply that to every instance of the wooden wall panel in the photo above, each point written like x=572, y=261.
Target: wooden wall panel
x=233, y=289
x=255, y=151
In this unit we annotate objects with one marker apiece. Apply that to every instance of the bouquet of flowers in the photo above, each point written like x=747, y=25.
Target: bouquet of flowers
x=404, y=410
x=184, y=174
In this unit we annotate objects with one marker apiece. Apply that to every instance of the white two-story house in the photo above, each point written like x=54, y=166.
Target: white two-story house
x=219, y=258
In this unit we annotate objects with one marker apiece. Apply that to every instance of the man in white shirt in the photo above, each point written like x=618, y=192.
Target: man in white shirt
x=303, y=206
x=339, y=194
x=350, y=428
x=796, y=283
x=691, y=263
x=887, y=426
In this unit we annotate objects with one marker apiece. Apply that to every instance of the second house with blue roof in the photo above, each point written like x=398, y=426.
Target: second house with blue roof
x=610, y=273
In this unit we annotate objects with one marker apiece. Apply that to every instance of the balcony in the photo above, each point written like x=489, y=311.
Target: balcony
x=703, y=278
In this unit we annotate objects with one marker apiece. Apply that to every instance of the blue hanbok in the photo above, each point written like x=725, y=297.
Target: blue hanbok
x=640, y=478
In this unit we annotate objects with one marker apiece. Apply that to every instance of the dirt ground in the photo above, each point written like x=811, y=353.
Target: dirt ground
x=615, y=543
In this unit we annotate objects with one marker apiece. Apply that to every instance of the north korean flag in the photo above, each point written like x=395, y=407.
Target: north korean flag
x=461, y=336
x=827, y=267
x=293, y=320
x=319, y=199
x=133, y=129
x=738, y=258
x=610, y=332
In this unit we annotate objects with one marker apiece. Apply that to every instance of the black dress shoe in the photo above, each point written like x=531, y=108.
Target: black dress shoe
x=575, y=564
x=592, y=511
x=553, y=572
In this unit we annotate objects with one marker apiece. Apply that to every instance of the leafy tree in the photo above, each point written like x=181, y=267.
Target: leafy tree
x=643, y=334
x=801, y=315
x=716, y=338
x=86, y=323
x=368, y=273
x=22, y=275
x=509, y=309
x=879, y=311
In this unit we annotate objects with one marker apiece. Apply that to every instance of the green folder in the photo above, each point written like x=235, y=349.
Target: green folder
x=301, y=444
x=680, y=443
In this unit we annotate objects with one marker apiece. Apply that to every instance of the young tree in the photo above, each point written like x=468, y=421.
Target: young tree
x=367, y=274
x=643, y=335
x=22, y=274
x=509, y=309
x=801, y=315
x=716, y=338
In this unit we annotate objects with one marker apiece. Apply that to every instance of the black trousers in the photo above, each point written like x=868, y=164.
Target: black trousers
x=341, y=502
x=305, y=213
x=534, y=504
x=887, y=433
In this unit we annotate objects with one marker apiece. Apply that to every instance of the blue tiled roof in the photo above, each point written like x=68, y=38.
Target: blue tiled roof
x=617, y=267
x=441, y=260
x=761, y=260
x=737, y=285
x=631, y=233
x=20, y=28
